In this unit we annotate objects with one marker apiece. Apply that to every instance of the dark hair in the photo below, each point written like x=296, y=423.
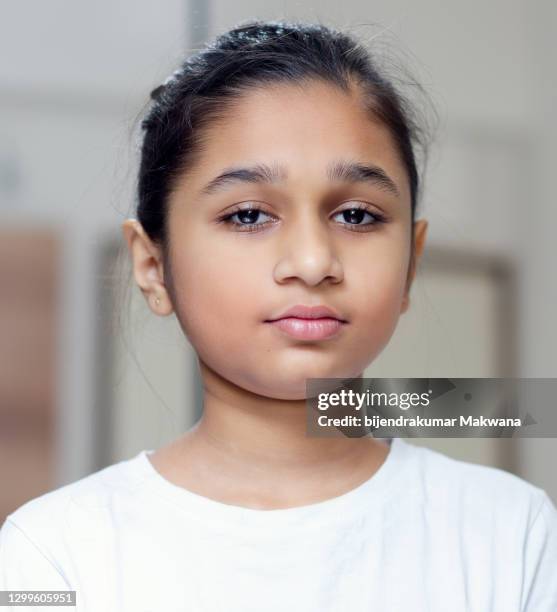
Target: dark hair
x=254, y=54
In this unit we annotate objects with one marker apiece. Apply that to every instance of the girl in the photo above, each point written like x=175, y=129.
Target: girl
x=277, y=198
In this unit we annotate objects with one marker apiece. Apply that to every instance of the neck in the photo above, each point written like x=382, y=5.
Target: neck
x=251, y=450
x=243, y=429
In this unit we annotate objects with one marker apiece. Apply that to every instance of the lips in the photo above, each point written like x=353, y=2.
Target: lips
x=300, y=311
x=309, y=322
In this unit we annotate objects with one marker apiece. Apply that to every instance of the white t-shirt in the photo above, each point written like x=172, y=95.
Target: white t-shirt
x=425, y=532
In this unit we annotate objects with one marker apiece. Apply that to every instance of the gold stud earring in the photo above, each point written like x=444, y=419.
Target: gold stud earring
x=157, y=300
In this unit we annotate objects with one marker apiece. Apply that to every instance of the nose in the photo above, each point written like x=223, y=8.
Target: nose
x=308, y=253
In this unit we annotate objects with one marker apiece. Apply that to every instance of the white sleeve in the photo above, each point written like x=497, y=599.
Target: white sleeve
x=24, y=567
x=540, y=562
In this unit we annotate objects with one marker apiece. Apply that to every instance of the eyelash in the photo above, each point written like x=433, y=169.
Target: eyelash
x=254, y=227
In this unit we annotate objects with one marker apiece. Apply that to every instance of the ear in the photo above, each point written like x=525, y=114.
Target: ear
x=420, y=231
x=148, y=269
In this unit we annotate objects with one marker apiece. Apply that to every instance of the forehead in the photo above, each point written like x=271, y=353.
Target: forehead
x=303, y=127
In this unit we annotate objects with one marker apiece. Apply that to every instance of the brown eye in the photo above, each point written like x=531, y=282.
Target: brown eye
x=360, y=217
x=248, y=219
x=248, y=216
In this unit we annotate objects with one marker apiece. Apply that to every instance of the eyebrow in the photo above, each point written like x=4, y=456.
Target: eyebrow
x=341, y=170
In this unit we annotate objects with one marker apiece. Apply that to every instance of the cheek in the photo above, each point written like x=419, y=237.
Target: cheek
x=379, y=295
x=217, y=297
x=377, y=291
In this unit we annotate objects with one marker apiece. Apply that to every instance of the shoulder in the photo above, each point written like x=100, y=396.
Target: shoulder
x=70, y=510
x=501, y=526
x=41, y=540
x=480, y=492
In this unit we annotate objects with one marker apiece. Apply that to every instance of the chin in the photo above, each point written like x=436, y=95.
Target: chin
x=295, y=392
x=295, y=387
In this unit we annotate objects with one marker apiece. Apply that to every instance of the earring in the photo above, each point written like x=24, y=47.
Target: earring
x=157, y=300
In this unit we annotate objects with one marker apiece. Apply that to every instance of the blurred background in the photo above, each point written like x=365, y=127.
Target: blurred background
x=88, y=378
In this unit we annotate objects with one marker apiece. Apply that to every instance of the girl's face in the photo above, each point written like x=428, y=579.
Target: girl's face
x=302, y=242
